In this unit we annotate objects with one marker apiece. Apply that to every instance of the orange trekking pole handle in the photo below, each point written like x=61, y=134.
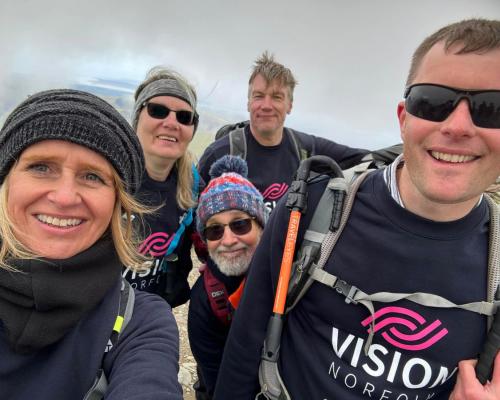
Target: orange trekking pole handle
x=296, y=202
x=286, y=263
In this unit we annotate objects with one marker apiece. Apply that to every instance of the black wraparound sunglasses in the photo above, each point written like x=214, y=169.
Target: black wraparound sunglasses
x=436, y=102
x=159, y=111
x=238, y=227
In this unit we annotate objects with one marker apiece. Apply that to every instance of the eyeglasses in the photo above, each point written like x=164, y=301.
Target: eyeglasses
x=159, y=111
x=436, y=102
x=238, y=227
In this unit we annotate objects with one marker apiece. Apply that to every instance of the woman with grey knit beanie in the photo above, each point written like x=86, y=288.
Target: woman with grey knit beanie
x=165, y=120
x=70, y=326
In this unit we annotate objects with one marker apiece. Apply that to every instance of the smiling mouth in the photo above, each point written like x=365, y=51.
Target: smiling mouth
x=167, y=138
x=452, y=158
x=59, y=222
x=232, y=252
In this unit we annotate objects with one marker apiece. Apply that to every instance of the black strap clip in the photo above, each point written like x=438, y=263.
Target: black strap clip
x=349, y=291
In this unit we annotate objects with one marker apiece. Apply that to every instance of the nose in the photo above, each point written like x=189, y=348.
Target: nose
x=64, y=192
x=171, y=120
x=229, y=238
x=267, y=102
x=459, y=123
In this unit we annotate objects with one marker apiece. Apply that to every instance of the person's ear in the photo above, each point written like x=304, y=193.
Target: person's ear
x=401, y=111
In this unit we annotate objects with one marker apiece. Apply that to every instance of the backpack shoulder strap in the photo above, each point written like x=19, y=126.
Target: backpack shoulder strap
x=238, y=143
x=186, y=220
x=224, y=130
x=494, y=250
x=217, y=296
x=300, y=150
x=330, y=204
x=484, y=366
x=352, y=173
x=125, y=311
x=96, y=392
x=312, y=249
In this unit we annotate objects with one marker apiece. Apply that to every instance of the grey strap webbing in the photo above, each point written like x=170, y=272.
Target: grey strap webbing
x=299, y=150
x=320, y=226
x=494, y=250
x=99, y=387
x=238, y=143
x=355, y=295
x=125, y=311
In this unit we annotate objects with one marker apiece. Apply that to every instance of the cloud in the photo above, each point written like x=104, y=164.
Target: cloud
x=350, y=58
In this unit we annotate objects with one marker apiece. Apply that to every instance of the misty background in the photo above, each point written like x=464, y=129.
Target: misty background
x=350, y=57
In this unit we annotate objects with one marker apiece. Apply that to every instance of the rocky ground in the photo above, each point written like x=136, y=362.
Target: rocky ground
x=187, y=364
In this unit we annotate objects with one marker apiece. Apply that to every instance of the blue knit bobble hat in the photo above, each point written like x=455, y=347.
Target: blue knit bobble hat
x=227, y=190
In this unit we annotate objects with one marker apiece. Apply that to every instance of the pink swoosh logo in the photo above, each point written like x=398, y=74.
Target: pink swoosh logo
x=421, y=334
x=155, y=244
x=275, y=191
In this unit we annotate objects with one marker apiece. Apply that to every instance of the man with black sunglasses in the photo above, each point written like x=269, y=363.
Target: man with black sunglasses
x=230, y=217
x=415, y=254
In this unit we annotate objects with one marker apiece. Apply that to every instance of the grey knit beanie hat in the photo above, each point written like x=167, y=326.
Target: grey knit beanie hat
x=76, y=117
x=169, y=83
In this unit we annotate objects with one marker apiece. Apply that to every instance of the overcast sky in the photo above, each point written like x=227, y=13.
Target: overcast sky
x=350, y=57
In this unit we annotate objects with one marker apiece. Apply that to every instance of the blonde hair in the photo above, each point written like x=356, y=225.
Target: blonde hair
x=184, y=196
x=122, y=231
x=124, y=235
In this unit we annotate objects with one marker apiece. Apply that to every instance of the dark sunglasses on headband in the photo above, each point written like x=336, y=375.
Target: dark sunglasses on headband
x=436, y=102
x=238, y=227
x=159, y=111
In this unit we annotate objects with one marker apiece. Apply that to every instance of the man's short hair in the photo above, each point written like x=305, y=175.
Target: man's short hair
x=273, y=71
x=472, y=35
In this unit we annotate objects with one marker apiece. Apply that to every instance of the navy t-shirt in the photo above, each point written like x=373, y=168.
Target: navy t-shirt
x=158, y=231
x=271, y=168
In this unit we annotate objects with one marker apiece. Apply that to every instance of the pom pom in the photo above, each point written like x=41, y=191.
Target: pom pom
x=227, y=164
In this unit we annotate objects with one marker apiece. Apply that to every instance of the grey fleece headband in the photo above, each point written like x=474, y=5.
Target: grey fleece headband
x=76, y=117
x=163, y=87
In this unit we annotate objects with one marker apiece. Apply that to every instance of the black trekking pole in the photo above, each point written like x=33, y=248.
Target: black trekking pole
x=484, y=366
x=296, y=202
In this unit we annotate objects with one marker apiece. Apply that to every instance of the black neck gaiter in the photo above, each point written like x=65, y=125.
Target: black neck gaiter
x=41, y=302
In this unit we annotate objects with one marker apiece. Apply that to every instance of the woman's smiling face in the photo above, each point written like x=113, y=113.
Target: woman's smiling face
x=60, y=198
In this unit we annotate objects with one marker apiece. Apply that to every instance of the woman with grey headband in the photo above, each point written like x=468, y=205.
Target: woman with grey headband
x=165, y=120
x=70, y=326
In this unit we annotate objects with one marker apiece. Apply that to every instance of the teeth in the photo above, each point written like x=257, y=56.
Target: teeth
x=453, y=158
x=61, y=222
x=169, y=138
